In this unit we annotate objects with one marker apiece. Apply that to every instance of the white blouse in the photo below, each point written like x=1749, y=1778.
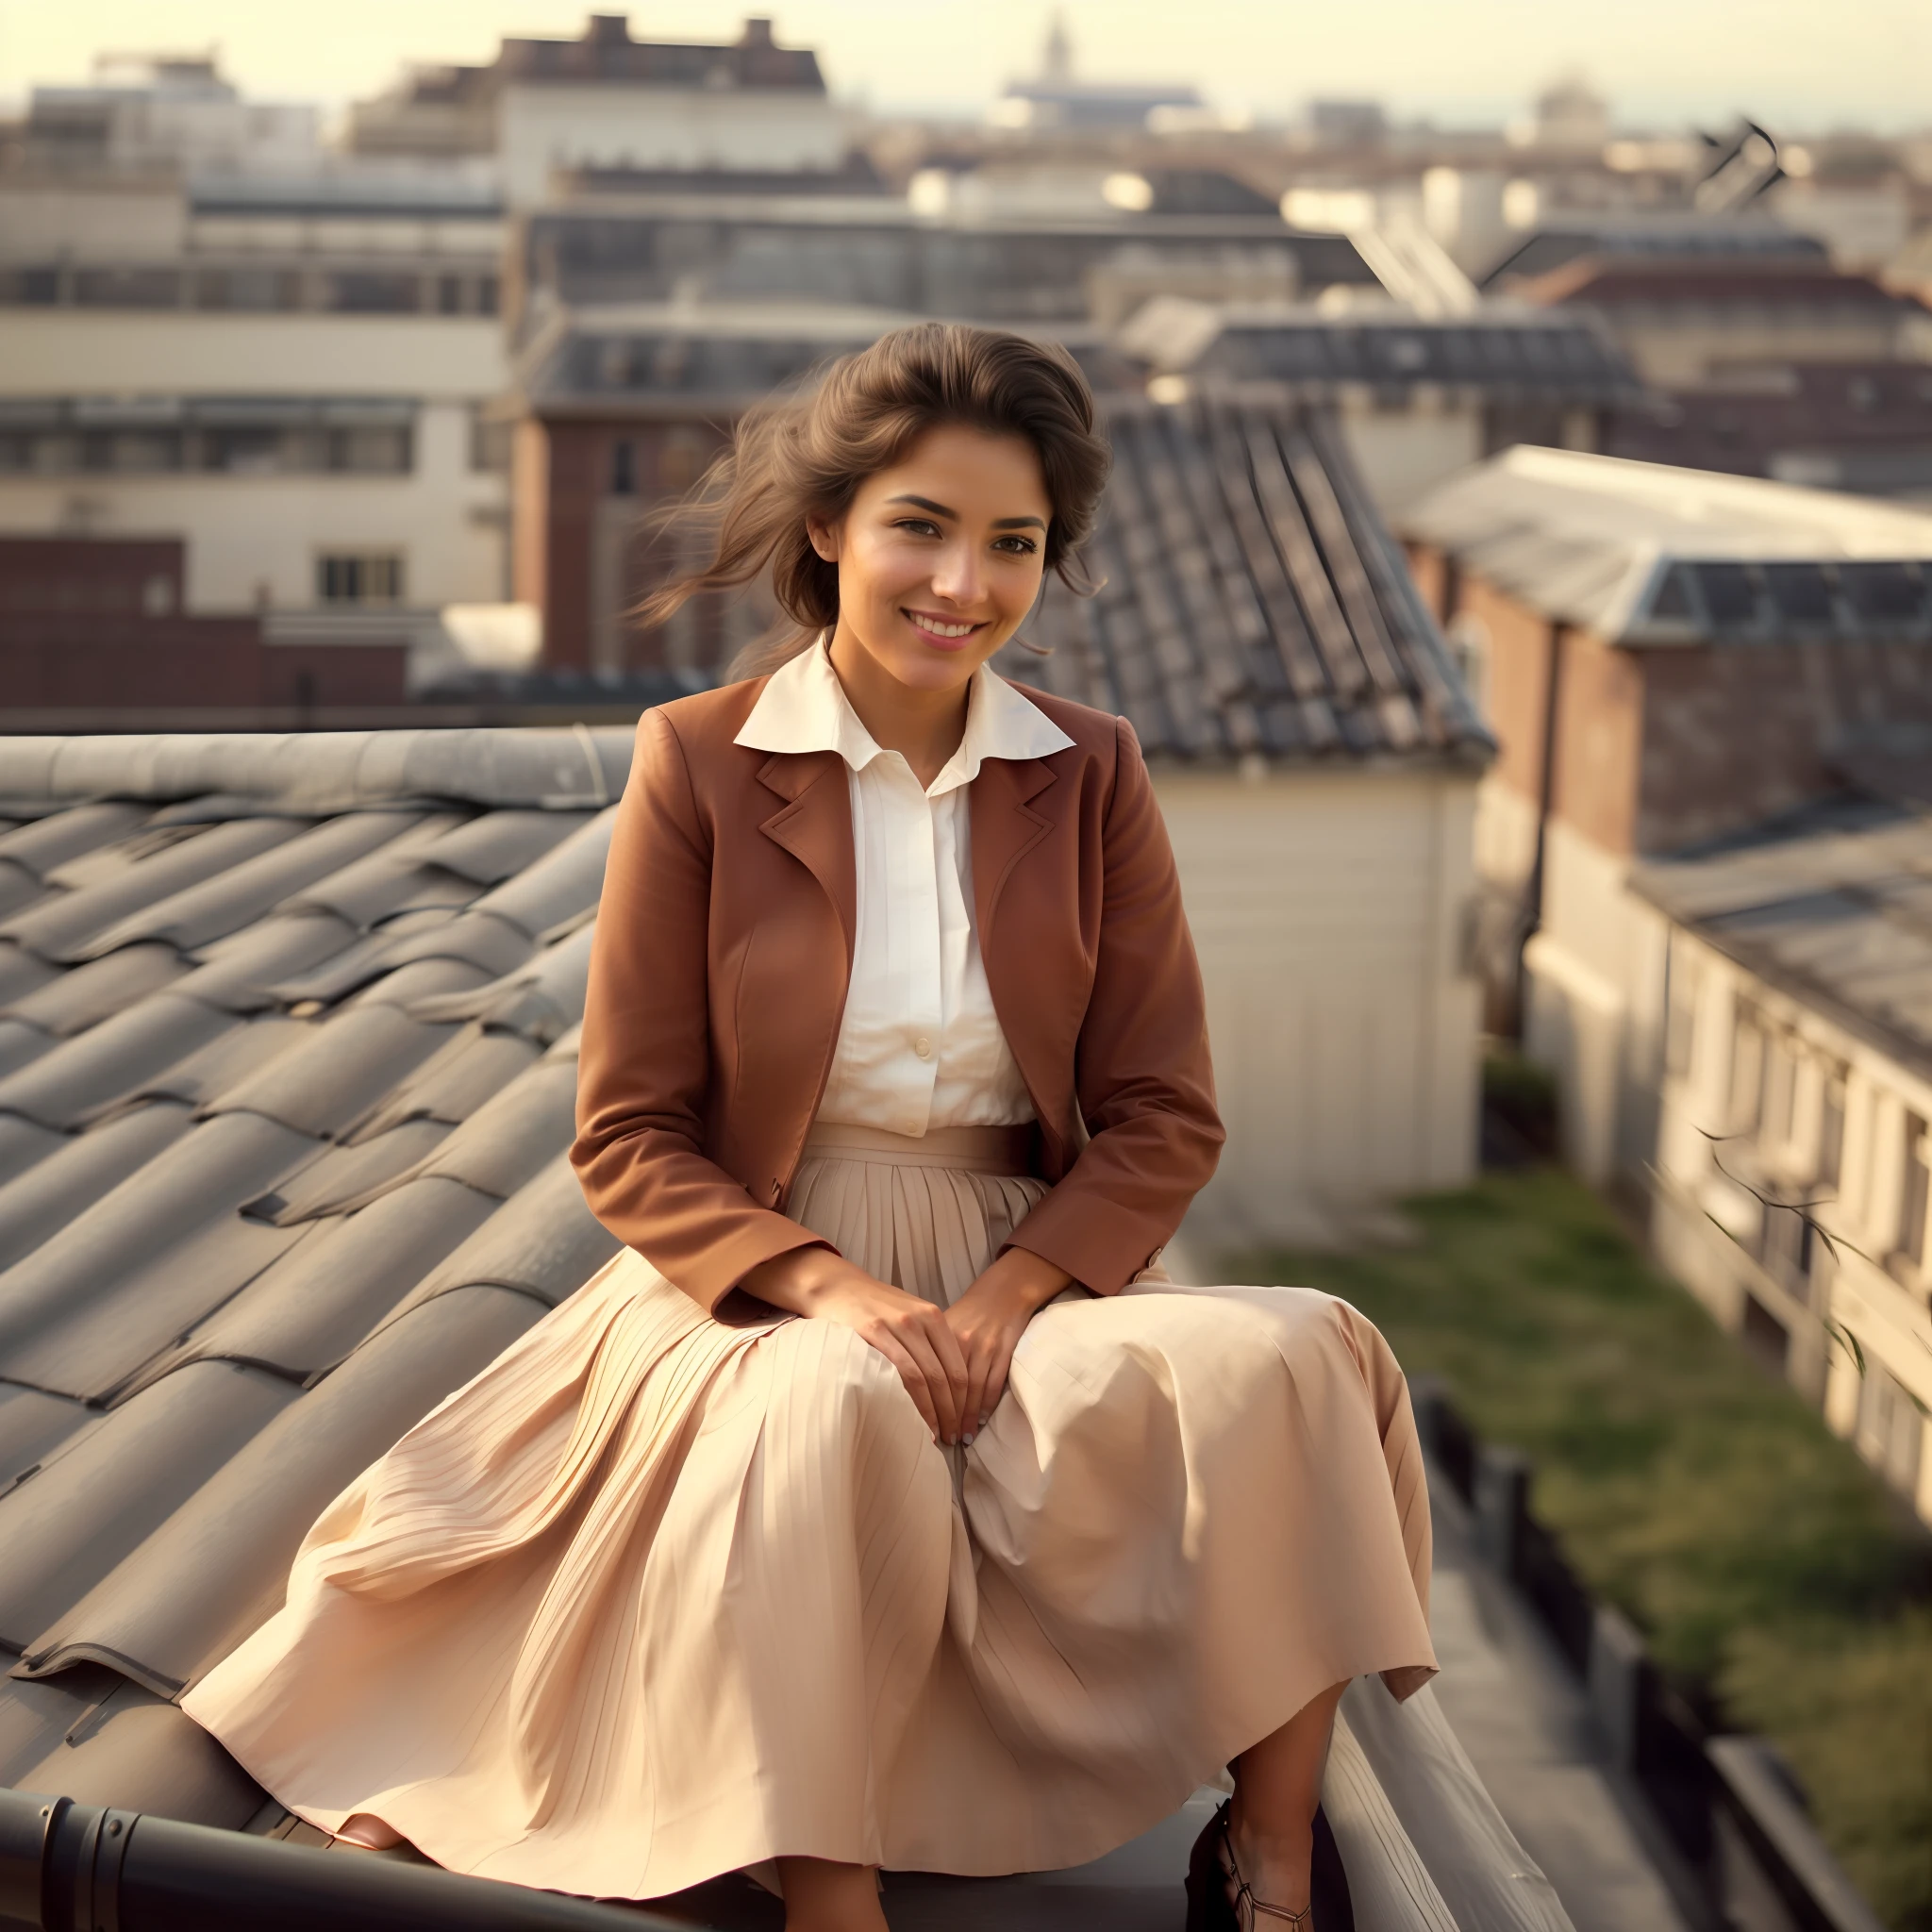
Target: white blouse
x=920, y=1046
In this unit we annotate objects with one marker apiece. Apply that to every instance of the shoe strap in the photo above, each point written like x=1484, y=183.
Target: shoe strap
x=1244, y=1894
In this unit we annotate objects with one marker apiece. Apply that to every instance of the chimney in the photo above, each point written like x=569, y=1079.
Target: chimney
x=609, y=30
x=758, y=32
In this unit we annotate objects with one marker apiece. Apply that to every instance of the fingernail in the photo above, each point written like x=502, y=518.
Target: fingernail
x=967, y=1438
x=984, y=1420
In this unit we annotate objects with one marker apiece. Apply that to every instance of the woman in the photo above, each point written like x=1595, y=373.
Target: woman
x=882, y=1504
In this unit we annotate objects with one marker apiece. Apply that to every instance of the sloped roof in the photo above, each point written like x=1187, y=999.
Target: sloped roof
x=1502, y=354
x=1646, y=553
x=287, y=1075
x=1831, y=906
x=1252, y=603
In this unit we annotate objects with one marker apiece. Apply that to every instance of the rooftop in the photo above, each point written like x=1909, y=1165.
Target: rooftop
x=1253, y=605
x=1502, y=353
x=1646, y=554
x=1829, y=906
x=287, y=1074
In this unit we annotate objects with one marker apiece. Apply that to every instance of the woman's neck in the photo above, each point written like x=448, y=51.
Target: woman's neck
x=923, y=727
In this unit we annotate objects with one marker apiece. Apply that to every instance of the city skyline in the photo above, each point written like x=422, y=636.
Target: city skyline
x=1667, y=63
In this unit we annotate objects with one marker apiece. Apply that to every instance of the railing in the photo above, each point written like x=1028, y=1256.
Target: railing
x=1725, y=1803
x=76, y=1868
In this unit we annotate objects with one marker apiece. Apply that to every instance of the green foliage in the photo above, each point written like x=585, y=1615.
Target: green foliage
x=1755, y=1550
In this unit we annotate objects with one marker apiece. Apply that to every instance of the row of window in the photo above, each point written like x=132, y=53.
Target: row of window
x=256, y=289
x=360, y=577
x=246, y=450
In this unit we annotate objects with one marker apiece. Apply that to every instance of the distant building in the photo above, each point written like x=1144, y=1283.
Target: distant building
x=1569, y=113
x=1713, y=700
x=288, y=373
x=1050, y=269
x=1668, y=658
x=1347, y=123
x=1418, y=399
x=165, y=113
x=1792, y=1163
x=1863, y=426
x=94, y=635
x=606, y=101
x=1058, y=99
x=1683, y=321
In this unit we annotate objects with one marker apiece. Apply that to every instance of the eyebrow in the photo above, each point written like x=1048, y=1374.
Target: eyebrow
x=939, y=510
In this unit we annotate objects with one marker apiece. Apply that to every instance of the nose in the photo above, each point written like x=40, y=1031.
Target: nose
x=958, y=576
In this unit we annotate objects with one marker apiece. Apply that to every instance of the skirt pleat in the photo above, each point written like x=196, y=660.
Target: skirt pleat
x=657, y=1596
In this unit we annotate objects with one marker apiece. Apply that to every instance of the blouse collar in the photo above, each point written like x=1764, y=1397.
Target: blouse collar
x=804, y=708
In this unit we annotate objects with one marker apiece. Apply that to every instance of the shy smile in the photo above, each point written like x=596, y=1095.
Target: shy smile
x=940, y=630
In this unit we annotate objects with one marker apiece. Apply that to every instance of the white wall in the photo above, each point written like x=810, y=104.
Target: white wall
x=68, y=352
x=1703, y=1185
x=1329, y=910
x=1403, y=453
x=542, y=128
x=255, y=535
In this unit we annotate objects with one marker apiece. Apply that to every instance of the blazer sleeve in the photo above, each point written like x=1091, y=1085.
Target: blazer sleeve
x=644, y=1071
x=1143, y=1077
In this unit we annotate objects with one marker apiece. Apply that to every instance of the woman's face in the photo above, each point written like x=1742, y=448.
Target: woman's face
x=940, y=557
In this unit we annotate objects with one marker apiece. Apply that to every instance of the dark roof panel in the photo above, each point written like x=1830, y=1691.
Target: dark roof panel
x=1252, y=604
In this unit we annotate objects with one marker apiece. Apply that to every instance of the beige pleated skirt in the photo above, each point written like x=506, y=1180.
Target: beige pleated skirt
x=655, y=1596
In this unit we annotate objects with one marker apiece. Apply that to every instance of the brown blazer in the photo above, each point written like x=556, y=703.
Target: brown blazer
x=723, y=954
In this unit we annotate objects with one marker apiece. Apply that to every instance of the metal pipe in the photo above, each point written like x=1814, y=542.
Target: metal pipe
x=66, y=1867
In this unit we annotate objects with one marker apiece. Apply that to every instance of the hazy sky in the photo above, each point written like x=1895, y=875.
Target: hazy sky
x=1797, y=63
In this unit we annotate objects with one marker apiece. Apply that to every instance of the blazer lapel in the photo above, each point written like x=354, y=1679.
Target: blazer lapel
x=814, y=825
x=1004, y=829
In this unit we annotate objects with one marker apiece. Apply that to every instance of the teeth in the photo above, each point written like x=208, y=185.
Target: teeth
x=944, y=630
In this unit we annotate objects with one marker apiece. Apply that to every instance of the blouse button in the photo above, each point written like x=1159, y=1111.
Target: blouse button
x=923, y=1047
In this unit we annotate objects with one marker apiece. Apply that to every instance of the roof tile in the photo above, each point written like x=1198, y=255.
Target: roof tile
x=73, y=1171
x=218, y=1566
x=306, y=1312
x=106, y=1489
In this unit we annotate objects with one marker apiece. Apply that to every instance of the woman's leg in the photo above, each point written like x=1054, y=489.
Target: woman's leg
x=821, y=1896
x=1278, y=1784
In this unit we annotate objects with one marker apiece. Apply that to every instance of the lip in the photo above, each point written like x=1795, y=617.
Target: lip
x=919, y=620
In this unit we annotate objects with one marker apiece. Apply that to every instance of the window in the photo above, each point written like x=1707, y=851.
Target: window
x=486, y=294
x=1831, y=1129
x=374, y=291
x=1747, y=1071
x=1780, y=1085
x=624, y=468
x=490, y=440
x=1680, y=1011
x=359, y=578
x=1912, y=1199
x=449, y=294
x=1892, y=1432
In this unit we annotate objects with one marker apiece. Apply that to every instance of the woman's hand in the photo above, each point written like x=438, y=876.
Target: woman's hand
x=990, y=1319
x=911, y=1334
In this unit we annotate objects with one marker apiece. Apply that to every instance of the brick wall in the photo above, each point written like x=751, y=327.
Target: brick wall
x=1658, y=748
x=95, y=624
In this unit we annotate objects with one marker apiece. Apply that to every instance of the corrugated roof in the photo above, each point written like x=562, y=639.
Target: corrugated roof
x=1832, y=906
x=1644, y=553
x=1253, y=604
x=287, y=1051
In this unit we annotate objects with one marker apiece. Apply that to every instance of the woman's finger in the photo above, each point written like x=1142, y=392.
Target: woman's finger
x=999, y=1361
x=917, y=1384
x=952, y=1355
x=918, y=1342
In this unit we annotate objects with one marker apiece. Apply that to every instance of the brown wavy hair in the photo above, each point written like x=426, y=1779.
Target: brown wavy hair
x=805, y=455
